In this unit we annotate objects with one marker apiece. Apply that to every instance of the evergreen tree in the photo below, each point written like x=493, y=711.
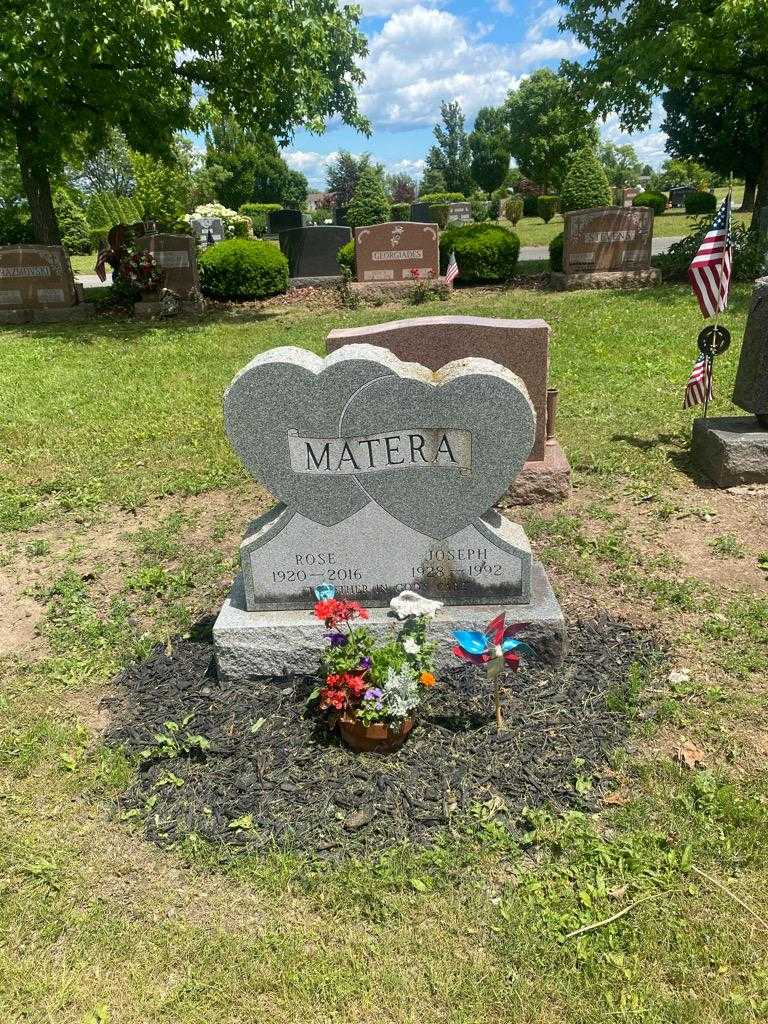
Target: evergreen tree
x=343, y=174
x=585, y=184
x=370, y=203
x=73, y=224
x=433, y=180
x=489, y=143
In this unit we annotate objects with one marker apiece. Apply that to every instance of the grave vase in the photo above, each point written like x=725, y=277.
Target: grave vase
x=377, y=738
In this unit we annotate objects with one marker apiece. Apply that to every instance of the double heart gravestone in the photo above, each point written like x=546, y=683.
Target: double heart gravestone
x=386, y=474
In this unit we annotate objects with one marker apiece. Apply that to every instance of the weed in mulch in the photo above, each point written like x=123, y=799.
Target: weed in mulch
x=243, y=763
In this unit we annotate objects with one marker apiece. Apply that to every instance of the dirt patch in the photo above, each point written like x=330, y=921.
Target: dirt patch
x=274, y=775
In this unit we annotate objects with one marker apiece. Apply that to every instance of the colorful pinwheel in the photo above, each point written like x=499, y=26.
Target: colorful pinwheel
x=494, y=649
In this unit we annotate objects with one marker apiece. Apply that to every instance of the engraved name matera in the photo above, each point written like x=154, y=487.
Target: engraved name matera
x=433, y=448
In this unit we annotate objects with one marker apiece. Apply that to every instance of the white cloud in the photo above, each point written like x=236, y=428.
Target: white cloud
x=383, y=8
x=552, y=49
x=313, y=164
x=422, y=56
x=503, y=7
x=547, y=19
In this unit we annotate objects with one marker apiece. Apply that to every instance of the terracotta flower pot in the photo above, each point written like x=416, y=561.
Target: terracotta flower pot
x=378, y=737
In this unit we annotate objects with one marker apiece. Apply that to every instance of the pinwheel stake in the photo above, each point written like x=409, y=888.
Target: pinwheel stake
x=494, y=650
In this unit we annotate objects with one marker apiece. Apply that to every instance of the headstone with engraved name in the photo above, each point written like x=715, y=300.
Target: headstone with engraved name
x=420, y=213
x=460, y=213
x=386, y=474
x=608, y=238
x=397, y=251
x=177, y=258
x=35, y=277
x=208, y=230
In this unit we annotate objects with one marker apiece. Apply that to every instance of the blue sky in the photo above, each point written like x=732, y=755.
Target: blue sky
x=422, y=53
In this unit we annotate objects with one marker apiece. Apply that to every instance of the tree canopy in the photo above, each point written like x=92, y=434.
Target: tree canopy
x=344, y=172
x=642, y=47
x=548, y=123
x=620, y=163
x=70, y=72
x=489, y=143
x=452, y=156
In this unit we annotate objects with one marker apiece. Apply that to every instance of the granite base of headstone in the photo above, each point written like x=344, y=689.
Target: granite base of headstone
x=387, y=475
x=605, y=279
x=520, y=345
x=37, y=286
x=733, y=450
x=312, y=253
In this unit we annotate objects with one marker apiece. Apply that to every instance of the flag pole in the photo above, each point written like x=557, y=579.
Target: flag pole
x=711, y=353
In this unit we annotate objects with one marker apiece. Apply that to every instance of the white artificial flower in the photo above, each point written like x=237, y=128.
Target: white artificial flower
x=410, y=646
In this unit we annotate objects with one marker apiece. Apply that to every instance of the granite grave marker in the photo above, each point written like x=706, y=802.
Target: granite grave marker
x=386, y=474
x=311, y=251
x=608, y=238
x=208, y=230
x=176, y=256
x=35, y=277
x=397, y=251
x=460, y=213
x=282, y=220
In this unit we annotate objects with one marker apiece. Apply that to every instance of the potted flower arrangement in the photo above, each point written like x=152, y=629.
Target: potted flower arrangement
x=370, y=690
x=141, y=270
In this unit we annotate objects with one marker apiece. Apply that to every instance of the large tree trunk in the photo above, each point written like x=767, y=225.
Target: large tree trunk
x=37, y=186
x=748, y=202
x=762, y=188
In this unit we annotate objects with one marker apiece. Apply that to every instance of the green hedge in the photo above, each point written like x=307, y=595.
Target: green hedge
x=585, y=185
x=530, y=205
x=248, y=209
x=750, y=250
x=401, y=211
x=439, y=212
x=105, y=210
x=546, y=207
x=346, y=257
x=514, y=209
x=556, y=253
x=700, y=202
x=442, y=197
x=242, y=268
x=484, y=252
x=494, y=209
x=656, y=200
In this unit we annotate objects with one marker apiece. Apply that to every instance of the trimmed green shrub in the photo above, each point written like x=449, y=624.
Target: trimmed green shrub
x=73, y=224
x=656, y=200
x=370, y=203
x=401, y=211
x=484, y=252
x=442, y=197
x=700, y=202
x=346, y=257
x=248, y=209
x=546, y=207
x=494, y=209
x=319, y=216
x=479, y=209
x=242, y=268
x=259, y=223
x=15, y=226
x=585, y=184
x=530, y=205
x=514, y=209
x=556, y=253
x=105, y=209
x=439, y=213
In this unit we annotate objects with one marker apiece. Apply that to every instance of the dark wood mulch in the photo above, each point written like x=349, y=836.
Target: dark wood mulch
x=289, y=781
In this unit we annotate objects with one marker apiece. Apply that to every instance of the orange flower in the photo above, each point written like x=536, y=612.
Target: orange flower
x=427, y=679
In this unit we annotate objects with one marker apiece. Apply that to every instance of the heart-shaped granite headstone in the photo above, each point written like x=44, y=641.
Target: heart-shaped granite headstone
x=482, y=426
x=289, y=391
x=327, y=436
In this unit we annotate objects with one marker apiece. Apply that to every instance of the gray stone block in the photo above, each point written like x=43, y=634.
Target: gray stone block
x=750, y=390
x=731, y=450
x=605, y=279
x=275, y=643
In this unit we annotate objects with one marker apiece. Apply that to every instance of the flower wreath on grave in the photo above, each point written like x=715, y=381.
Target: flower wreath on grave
x=142, y=270
x=370, y=690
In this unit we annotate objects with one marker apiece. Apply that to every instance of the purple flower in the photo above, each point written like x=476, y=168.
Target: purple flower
x=374, y=693
x=365, y=664
x=337, y=639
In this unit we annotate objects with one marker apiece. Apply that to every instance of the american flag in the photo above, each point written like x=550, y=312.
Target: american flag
x=452, y=271
x=710, y=271
x=698, y=390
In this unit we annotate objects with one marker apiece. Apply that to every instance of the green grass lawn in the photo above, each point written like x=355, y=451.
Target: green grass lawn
x=115, y=469
x=83, y=264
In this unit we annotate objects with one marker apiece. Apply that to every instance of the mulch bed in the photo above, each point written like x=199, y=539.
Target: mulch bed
x=289, y=781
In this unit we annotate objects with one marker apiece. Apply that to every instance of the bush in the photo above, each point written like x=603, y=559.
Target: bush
x=259, y=225
x=370, y=203
x=401, y=211
x=15, y=226
x=106, y=209
x=242, y=268
x=346, y=257
x=442, y=197
x=749, y=252
x=230, y=218
x=556, y=253
x=514, y=209
x=585, y=184
x=700, y=202
x=319, y=216
x=484, y=252
x=530, y=205
x=439, y=212
x=494, y=209
x=73, y=224
x=546, y=207
x=656, y=200
x=248, y=209
x=479, y=209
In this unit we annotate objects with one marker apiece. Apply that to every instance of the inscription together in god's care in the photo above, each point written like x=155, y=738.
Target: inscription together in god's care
x=423, y=448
